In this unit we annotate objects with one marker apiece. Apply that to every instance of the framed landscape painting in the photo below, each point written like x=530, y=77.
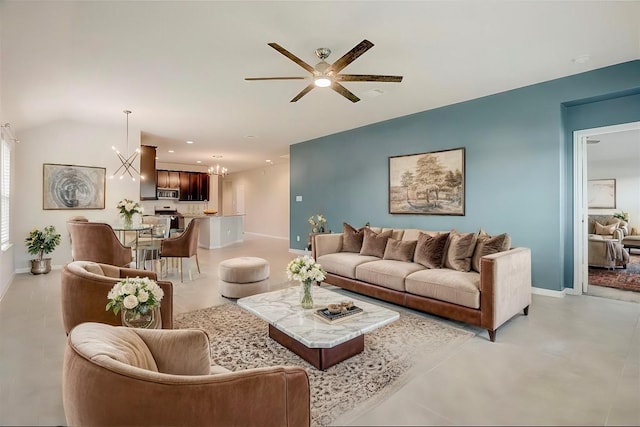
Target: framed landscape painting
x=601, y=193
x=73, y=187
x=427, y=183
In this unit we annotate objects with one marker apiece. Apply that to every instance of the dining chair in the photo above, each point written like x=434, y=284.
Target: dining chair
x=148, y=244
x=183, y=246
x=97, y=242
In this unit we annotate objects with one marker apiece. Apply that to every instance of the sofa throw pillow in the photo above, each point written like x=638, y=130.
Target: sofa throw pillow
x=374, y=243
x=400, y=250
x=459, y=250
x=351, y=238
x=604, y=230
x=430, y=249
x=487, y=245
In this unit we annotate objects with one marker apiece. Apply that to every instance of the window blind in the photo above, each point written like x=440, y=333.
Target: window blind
x=5, y=192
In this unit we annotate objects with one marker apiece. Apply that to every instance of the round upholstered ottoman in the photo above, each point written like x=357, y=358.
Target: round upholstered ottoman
x=243, y=276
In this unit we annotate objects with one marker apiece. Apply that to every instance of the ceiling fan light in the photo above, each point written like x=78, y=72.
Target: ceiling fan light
x=322, y=81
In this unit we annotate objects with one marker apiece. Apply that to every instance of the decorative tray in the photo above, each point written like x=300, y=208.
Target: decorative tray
x=346, y=314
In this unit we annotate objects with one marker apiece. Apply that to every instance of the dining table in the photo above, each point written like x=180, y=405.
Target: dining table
x=121, y=229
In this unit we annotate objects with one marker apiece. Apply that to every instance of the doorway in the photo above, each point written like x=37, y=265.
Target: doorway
x=582, y=140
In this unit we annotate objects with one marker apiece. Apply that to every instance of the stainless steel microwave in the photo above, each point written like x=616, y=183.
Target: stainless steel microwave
x=168, y=193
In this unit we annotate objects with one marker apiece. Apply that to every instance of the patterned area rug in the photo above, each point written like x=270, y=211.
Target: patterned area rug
x=627, y=279
x=239, y=340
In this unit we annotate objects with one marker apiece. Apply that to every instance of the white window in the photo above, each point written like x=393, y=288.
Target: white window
x=5, y=192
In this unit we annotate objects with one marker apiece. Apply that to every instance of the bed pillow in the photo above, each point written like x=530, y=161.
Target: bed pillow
x=487, y=245
x=430, y=249
x=459, y=250
x=374, y=243
x=351, y=238
x=400, y=250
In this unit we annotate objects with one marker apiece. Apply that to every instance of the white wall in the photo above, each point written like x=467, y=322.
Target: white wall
x=65, y=142
x=266, y=199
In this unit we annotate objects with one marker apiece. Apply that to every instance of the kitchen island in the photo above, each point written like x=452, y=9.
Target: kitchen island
x=217, y=231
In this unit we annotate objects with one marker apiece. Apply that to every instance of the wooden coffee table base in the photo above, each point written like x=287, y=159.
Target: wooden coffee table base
x=321, y=358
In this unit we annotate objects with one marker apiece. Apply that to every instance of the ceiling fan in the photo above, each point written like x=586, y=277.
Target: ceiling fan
x=328, y=75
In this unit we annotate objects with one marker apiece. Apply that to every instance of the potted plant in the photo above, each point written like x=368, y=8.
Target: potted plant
x=40, y=243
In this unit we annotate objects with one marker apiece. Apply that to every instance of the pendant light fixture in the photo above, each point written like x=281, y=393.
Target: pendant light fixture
x=217, y=170
x=127, y=159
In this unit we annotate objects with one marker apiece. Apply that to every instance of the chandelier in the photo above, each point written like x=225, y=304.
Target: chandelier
x=127, y=159
x=217, y=170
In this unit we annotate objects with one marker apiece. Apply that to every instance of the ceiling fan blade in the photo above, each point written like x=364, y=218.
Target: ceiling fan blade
x=303, y=92
x=292, y=57
x=276, y=78
x=367, y=78
x=344, y=92
x=350, y=56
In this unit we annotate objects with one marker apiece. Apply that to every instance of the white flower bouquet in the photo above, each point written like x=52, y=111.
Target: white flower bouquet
x=139, y=294
x=305, y=269
x=318, y=223
x=128, y=207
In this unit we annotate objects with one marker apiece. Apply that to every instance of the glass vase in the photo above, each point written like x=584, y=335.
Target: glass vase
x=307, y=299
x=134, y=319
x=127, y=220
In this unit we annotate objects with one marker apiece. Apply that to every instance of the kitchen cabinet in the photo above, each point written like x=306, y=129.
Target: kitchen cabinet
x=148, y=172
x=194, y=186
x=168, y=179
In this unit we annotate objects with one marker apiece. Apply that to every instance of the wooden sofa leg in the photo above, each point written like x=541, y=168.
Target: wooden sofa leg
x=526, y=311
x=492, y=335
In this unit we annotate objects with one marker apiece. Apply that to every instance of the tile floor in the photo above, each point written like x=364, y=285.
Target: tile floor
x=572, y=361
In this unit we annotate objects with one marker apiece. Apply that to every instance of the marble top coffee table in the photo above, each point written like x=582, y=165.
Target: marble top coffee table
x=319, y=343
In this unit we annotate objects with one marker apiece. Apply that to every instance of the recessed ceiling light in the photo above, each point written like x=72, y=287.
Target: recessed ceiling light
x=250, y=136
x=189, y=142
x=581, y=59
x=198, y=161
x=171, y=151
x=268, y=161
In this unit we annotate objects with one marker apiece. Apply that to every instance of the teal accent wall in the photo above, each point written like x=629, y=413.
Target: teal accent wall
x=518, y=166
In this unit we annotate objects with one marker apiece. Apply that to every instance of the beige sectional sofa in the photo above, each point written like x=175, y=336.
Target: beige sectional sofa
x=498, y=288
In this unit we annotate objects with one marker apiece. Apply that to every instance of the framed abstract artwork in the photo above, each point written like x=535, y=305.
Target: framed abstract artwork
x=601, y=193
x=73, y=187
x=427, y=183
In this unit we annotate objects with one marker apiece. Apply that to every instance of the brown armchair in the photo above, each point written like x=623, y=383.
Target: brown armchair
x=84, y=290
x=97, y=242
x=183, y=246
x=117, y=376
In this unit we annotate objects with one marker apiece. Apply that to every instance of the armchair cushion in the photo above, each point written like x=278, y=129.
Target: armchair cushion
x=605, y=229
x=122, y=344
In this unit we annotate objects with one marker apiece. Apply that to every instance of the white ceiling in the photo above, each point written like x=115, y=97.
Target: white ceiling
x=180, y=66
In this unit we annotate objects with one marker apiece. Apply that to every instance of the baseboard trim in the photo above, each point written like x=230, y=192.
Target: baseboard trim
x=266, y=235
x=549, y=292
x=299, y=251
